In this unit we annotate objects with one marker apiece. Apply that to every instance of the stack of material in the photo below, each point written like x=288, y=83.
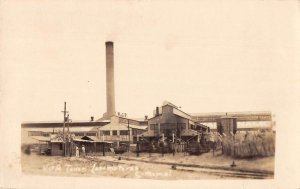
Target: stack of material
x=251, y=144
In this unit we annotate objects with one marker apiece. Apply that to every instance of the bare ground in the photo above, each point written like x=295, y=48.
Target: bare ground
x=127, y=167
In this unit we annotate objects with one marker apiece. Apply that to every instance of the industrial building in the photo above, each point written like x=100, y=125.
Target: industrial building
x=168, y=121
x=32, y=132
x=246, y=121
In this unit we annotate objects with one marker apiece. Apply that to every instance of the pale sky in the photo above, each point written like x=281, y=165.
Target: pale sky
x=207, y=56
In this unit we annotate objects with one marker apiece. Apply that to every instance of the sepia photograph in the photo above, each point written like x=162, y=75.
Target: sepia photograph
x=169, y=144
x=137, y=93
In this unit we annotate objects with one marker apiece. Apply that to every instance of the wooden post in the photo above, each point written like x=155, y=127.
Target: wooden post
x=128, y=131
x=64, y=124
x=103, y=149
x=173, y=137
x=138, y=149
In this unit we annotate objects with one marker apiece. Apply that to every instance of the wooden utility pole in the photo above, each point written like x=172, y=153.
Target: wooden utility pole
x=68, y=124
x=64, y=125
x=68, y=141
x=128, y=135
x=128, y=131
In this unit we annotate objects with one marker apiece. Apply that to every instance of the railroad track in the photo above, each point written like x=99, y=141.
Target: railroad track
x=206, y=169
x=226, y=173
x=214, y=170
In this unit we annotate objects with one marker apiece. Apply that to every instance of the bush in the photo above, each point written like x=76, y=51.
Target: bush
x=250, y=144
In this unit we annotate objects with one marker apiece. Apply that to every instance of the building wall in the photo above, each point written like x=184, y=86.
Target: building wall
x=228, y=125
x=26, y=138
x=244, y=125
x=241, y=116
x=167, y=123
x=43, y=129
x=120, y=135
x=57, y=149
x=27, y=135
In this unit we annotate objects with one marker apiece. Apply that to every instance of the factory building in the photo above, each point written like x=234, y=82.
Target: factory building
x=169, y=121
x=122, y=130
x=40, y=131
x=245, y=121
x=110, y=127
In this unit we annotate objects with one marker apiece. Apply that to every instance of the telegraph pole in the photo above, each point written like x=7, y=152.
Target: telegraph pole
x=68, y=144
x=64, y=125
x=128, y=135
x=68, y=124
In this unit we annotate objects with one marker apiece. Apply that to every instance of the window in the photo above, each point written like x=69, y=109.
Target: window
x=46, y=134
x=60, y=146
x=152, y=126
x=90, y=134
x=134, y=131
x=115, y=133
x=79, y=134
x=166, y=126
x=106, y=132
x=34, y=133
x=181, y=126
x=123, y=132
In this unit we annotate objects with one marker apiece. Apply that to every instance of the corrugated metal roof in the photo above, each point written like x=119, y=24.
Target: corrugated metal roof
x=232, y=113
x=137, y=127
x=120, y=127
x=72, y=129
x=41, y=138
x=254, y=124
x=189, y=132
x=113, y=127
x=91, y=139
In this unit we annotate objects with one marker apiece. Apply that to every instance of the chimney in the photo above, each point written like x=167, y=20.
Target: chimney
x=157, y=111
x=110, y=86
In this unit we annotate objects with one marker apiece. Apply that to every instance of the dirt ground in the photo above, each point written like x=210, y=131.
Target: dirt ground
x=208, y=159
x=111, y=166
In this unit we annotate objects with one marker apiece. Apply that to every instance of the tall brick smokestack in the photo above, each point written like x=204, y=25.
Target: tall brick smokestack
x=110, y=84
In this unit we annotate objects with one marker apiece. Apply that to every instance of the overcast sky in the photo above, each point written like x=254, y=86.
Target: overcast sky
x=207, y=56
